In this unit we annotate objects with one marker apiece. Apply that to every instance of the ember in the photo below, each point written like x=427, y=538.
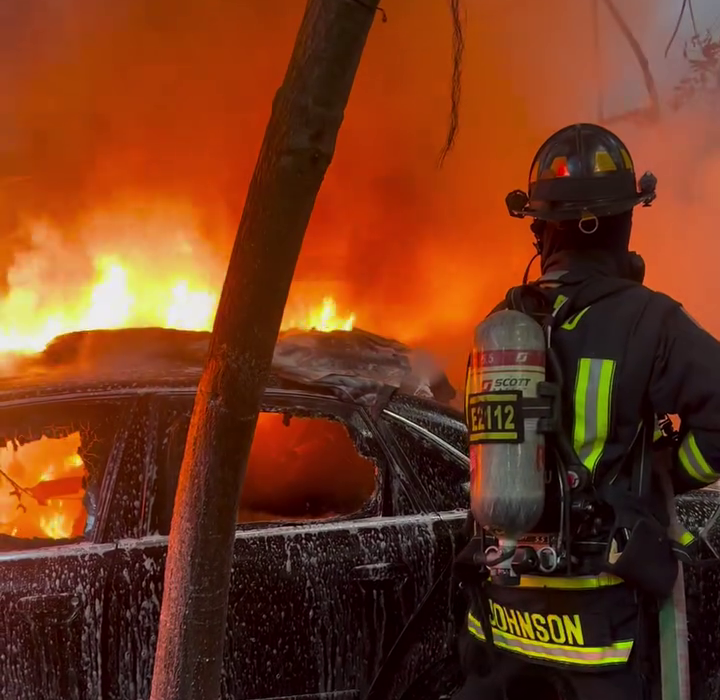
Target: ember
x=42, y=488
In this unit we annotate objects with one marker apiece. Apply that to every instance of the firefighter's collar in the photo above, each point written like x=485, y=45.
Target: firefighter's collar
x=581, y=264
x=553, y=275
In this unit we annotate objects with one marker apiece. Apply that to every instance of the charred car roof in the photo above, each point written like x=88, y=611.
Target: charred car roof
x=355, y=366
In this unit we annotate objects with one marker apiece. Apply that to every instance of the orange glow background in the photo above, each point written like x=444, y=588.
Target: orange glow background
x=138, y=126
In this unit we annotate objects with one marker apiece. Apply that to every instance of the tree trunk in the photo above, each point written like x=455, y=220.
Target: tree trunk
x=296, y=151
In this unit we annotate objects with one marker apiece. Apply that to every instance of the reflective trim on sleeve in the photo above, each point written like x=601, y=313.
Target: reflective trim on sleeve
x=617, y=653
x=686, y=538
x=593, y=392
x=570, y=583
x=694, y=463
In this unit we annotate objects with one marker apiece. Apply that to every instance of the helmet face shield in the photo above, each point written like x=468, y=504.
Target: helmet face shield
x=581, y=170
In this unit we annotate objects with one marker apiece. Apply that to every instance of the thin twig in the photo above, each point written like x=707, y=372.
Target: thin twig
x=677, y=27
x=692, y=19
x=458, y=48
x=598, y=58
x=18, y=489
x=640, y=57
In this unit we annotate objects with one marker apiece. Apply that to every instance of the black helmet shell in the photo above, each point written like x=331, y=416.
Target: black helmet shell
x=581, y=171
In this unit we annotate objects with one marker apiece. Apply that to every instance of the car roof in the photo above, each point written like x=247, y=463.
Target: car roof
x=353, y=366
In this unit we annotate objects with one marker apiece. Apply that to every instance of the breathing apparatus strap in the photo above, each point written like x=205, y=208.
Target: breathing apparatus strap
x=537, y=302
x=587, y=291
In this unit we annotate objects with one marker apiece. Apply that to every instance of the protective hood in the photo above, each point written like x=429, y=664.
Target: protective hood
x=607, y=246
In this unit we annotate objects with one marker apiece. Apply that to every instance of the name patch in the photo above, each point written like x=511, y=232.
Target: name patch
x=558, y=629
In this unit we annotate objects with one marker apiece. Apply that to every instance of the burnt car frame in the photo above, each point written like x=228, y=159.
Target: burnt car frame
x=336, y=606
x=316, y=605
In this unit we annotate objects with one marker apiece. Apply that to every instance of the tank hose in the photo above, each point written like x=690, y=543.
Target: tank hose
x=480, y=602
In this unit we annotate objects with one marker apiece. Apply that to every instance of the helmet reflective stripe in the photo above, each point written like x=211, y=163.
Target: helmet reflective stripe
x=627, y=159
x=604, y=162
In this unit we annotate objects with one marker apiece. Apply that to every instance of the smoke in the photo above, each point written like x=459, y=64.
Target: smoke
x=135, y=102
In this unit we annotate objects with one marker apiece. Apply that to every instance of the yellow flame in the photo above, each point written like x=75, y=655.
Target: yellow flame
x=174, y=284
x=53, y=473
x=57, y=526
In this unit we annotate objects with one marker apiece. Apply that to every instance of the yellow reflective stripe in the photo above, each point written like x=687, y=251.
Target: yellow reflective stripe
x=686, y=538
x=617, y=653
x=604, y=162
x=570, y=583
x=572, y=322
x=694, y=463
x=558, y=303
x=627, y=160
x=657, y=435
x=593, y=391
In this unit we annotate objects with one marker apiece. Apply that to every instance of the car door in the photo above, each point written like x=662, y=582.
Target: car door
x=54, y=483
x=431, y=501
x=311, y=564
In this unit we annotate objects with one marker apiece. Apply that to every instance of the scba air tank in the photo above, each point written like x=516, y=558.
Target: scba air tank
x=506, y=451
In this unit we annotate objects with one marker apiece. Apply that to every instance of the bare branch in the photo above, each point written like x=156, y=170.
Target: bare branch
x=458, y=49
x=653, y=111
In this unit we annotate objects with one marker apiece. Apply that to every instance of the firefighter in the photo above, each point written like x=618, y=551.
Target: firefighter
x=581, y=622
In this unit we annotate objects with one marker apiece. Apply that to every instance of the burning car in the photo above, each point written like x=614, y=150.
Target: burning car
x=350, y=516
x=355, y=490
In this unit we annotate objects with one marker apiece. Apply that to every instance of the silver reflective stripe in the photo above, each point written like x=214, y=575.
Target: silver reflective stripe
x=694, y=463
x=592, y=403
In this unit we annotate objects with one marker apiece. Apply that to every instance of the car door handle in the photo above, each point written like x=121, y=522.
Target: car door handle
x=374, y=575
x=52, y=608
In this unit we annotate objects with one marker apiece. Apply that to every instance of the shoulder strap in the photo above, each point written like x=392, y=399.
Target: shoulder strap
x=590, y=291
x=530, y=299
x=535, y=301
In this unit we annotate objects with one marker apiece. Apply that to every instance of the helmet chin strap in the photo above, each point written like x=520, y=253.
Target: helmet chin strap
x=538, y=228
x=529, y=265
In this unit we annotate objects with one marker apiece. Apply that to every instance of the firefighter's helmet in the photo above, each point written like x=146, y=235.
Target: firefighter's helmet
x=583, y=171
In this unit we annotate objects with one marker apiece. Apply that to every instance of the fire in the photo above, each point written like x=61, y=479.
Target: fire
x=129, y=265
x=42, y=488
x=119, y=278
x=322, y=318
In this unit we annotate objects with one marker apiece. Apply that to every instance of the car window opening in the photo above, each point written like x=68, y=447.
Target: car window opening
x=42, y=488
x=304, y=468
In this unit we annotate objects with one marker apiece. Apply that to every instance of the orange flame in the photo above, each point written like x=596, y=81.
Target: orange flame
x=53, y=508
x=128, y=266
x=122, y=278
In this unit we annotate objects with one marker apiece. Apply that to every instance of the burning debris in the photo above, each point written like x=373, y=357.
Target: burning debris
x=43, y=474
x=42, y=481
